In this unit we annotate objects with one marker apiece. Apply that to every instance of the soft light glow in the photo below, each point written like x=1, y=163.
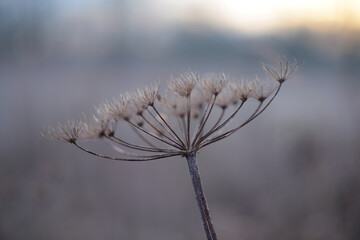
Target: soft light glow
x=263, y=15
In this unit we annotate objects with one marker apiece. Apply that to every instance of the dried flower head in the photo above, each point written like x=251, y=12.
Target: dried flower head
x=184, y=84
x=214, y=83
x=176, y=124
x=261, y=91
x=149, y=94
x=185, y=131
x=64, y=133
x=98, y=127
x=117, y=108
x=242, y=91
x=137, y=105
x=283, y=71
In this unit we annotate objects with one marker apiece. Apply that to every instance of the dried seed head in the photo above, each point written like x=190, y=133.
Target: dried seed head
x=149, y=95
x=117, y=108
x=68, y=133
x=282, y=72
x=184, y=84
x=137, y=104
x=214, y=83
x=211, y=91
x=261, y=91
x=105, y=110
x=99, y=127
x=241, y=91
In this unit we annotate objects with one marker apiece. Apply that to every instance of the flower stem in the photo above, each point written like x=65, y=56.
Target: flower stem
x=200, y=197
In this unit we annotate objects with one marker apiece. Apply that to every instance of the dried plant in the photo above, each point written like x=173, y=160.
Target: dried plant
x=177, y=123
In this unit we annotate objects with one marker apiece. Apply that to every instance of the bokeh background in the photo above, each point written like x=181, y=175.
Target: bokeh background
x=294, y=173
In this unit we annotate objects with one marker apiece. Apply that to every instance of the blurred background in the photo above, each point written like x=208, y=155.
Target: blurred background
x=294, y=173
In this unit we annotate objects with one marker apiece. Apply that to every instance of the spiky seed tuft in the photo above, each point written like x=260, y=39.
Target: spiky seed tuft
x=149, y=95
x=214, y=83
x=184, y=84
x=186, y=101
x=283, y=71
x=99, y=127
x=64, y=133
x=261, y=91
x=137, y=103
x=117, y=108
x=241, y=91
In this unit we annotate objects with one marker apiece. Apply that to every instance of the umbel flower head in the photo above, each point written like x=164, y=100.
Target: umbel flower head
x=195, y=112
x=178, y=122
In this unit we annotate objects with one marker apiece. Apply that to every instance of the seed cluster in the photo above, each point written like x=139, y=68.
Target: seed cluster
x=177, y=122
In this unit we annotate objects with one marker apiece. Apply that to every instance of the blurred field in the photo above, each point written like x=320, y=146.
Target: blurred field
x=291, y=174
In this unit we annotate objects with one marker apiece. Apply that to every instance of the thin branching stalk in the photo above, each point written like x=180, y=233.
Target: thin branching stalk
x=221, y=125
x=136, y=147
x=129, y=145
x=142, y=137
x=256, y=113
x=160, y=132
x=125, y=152
x=163, y=127
x=224, y=135
x=147, y=158
x=205, y=120
x=162, y=118
x=152, y=135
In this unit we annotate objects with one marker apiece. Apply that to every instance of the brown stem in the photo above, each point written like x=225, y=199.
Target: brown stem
x=228, y=133
x=205, y=120
x=161, y=117
x=143, y=138
x=136, y=147
x=152, y=135
x=252, y=117
x=212, y=129
x=148, y=158
x=200, y=197
x=257, y=112
x=158, y=131
x=162, y=125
